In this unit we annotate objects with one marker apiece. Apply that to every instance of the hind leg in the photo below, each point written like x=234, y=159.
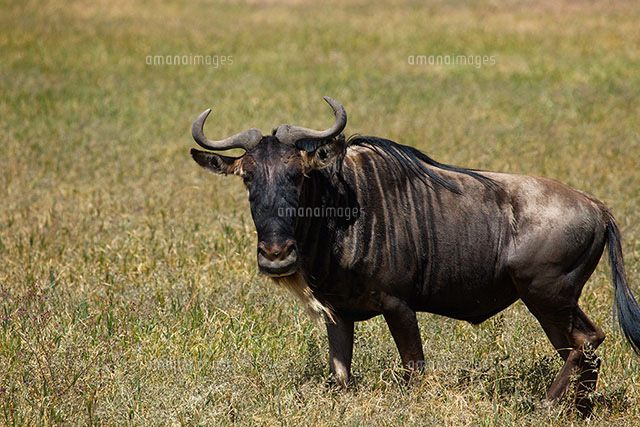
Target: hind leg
x=549, y=267
x=592, y=336
x=553, y=300
x=575, y=337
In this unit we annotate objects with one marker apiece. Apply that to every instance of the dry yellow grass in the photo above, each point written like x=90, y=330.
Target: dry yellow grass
x=129, y=288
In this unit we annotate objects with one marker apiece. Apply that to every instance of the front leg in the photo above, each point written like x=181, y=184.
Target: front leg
x=340, y=336
x=403, y=324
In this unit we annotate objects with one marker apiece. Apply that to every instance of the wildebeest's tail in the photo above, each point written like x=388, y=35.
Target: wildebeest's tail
x=627, y=308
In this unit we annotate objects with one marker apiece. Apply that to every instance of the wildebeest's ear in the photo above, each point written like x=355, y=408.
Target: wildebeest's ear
x=325, y=155
x=216, y=163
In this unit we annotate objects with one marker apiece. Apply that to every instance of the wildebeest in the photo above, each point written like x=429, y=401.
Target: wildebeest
x=364, y=226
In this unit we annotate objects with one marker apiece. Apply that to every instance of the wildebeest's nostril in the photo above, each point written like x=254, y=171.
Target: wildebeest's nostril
x=276, y=252
x=289, y=246
x=262, y=247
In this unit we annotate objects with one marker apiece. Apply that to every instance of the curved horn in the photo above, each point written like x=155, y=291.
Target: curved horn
x=290, y=134
x=247, y=139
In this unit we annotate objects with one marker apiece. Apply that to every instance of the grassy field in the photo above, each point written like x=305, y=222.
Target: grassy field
x=130, y=293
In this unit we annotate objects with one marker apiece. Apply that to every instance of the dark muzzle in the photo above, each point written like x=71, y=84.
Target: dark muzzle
x=277, y=258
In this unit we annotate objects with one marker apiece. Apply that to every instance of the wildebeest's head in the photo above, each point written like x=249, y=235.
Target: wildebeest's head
x=273, y=169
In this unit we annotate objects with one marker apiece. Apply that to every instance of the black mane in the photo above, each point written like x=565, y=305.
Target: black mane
x=411, y=162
